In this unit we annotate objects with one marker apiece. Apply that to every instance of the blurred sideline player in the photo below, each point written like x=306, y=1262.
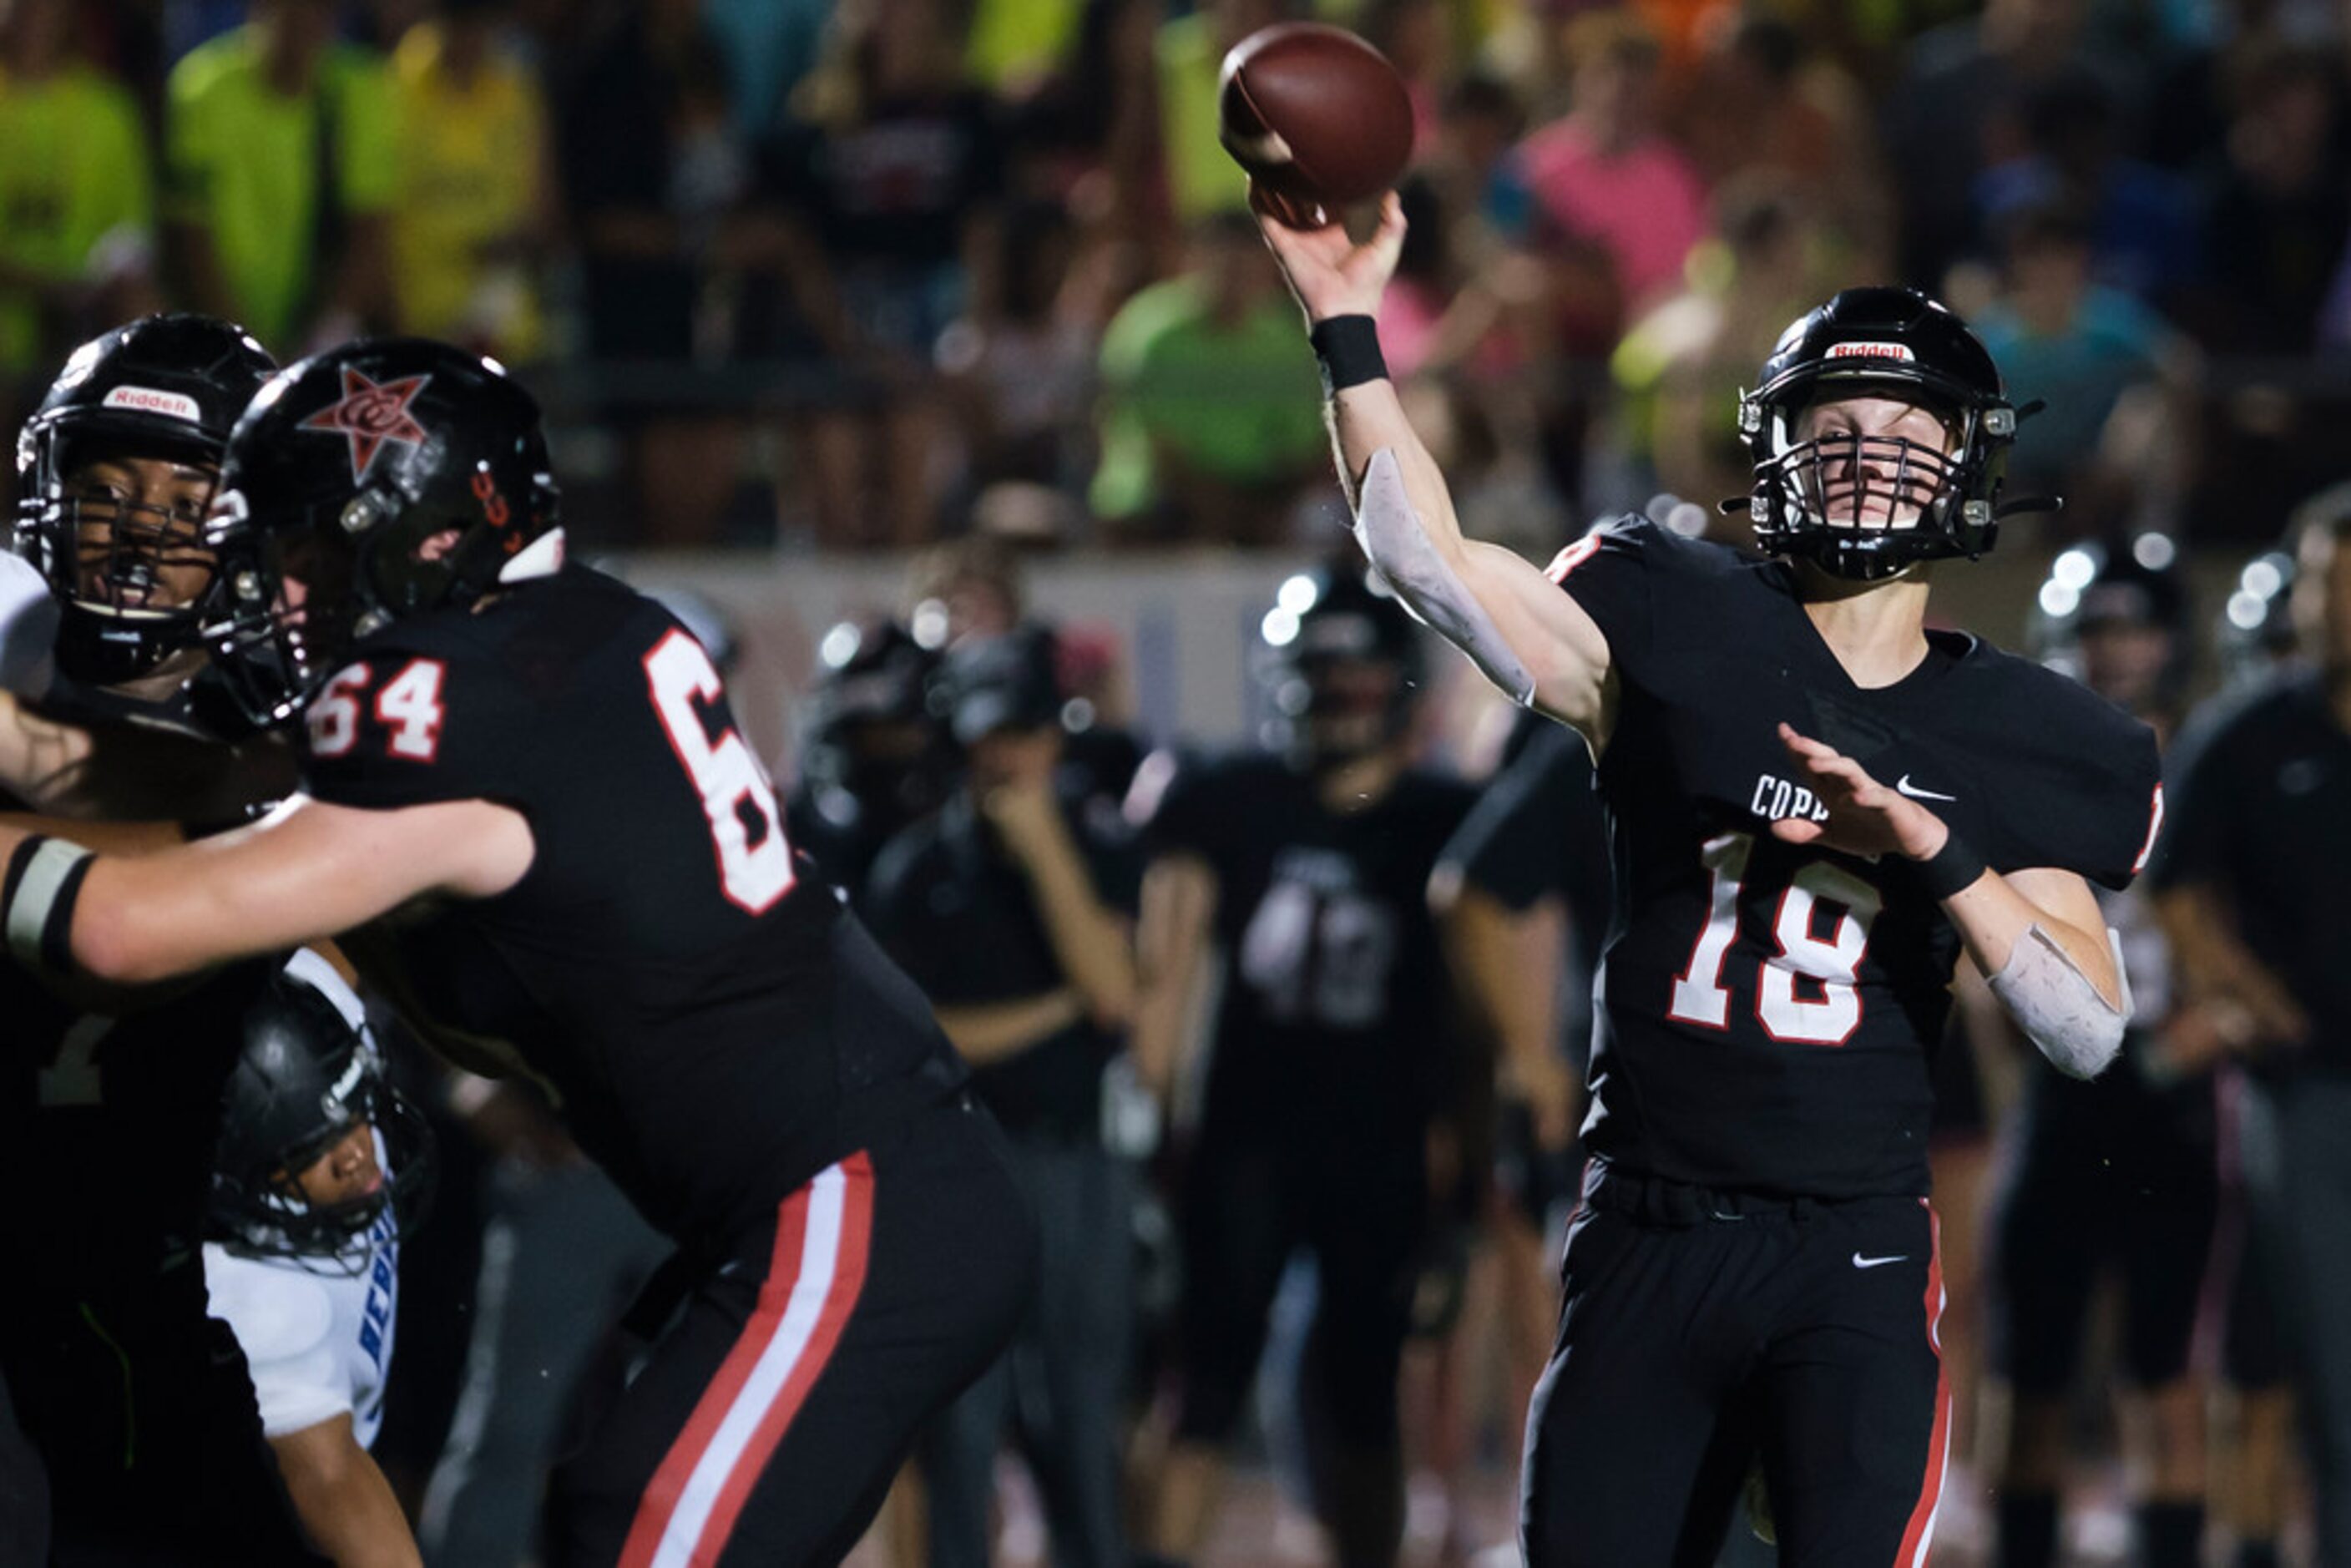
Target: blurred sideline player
x=535, y=768
x=1521, y=895
x=2117, y=1175
x=1308, y=868
x=321, y=1167
x=873, y=759
x=2252, y=1427
x=1814, y=804
x=2249, y=888
x=1011, y=908
x=138, y=1400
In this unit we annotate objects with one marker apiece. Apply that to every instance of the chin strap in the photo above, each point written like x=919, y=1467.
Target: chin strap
x=1395, y=539
x=2055, y=1004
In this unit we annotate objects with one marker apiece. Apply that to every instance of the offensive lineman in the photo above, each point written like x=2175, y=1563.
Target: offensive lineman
x=1815, y=805
x=533, y=771
x=139, y=1401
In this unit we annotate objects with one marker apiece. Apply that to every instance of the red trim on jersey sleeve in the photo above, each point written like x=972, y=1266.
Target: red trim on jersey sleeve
x=2154, y=826
x=1570, y=557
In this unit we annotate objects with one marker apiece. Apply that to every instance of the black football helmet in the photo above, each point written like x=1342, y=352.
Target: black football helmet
x=164, y=387
x=1890, y=342
x=385, y=478
x=1342, y=666
x=2116, y=617
x=874, y=745
x=303, y=1078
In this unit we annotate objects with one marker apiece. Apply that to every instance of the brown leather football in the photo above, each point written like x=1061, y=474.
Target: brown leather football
x=1318, y=117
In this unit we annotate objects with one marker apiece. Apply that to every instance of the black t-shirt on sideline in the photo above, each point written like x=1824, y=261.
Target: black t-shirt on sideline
x=2261, y=814
x=948, y=903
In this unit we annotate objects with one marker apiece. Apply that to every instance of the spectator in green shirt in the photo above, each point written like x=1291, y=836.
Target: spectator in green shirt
x=253, y=119
x=76, y=203
x=1211, y=417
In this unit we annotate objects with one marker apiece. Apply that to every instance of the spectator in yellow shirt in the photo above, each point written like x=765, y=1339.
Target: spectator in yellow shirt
x=254, y=117
x=473, y=192
x=76, y=202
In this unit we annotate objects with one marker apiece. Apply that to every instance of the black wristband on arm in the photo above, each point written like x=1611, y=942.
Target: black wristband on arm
x=1951, y=869
x=1347, y=348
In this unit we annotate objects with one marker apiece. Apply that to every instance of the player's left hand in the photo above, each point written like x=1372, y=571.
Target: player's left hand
x=1865, y=818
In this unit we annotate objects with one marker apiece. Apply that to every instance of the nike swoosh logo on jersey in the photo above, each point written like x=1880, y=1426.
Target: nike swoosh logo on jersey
x=1861, y=1263
x=1903, y=785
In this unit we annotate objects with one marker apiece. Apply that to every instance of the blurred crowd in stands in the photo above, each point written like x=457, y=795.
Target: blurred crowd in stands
x=873, y=273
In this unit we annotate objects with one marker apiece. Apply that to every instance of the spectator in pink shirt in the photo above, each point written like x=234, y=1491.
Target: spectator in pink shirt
x=1603, y=173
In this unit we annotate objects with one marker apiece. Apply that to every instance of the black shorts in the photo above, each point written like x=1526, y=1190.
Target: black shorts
x=1698, y=1330
x=152, y=1442
x=791, y=1380
x=1245, y=1213
x=2110, y=1174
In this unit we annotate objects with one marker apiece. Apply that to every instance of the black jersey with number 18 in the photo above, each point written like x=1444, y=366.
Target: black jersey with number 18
x=1766, y=1012
x=715, y=1026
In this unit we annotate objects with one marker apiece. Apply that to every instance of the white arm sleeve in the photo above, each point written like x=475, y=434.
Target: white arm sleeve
x=2055, y=1004
x=1395, y=539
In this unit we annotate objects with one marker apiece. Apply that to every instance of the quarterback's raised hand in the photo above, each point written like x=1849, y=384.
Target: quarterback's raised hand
x=1865, y=818
x=1329, y=272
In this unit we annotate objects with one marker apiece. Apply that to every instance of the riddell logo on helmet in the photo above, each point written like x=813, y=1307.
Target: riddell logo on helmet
x=1871, y=351
x=148, y=400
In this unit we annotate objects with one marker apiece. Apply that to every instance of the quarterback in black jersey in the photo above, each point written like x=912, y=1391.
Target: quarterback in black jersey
x=1815, y=804
x=139, y=1401
x=528, y=777
x=1331, y=1050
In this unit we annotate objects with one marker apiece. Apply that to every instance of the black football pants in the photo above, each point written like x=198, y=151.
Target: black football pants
x=152, y=1441
x=1698, y=1330
x=772, y=1412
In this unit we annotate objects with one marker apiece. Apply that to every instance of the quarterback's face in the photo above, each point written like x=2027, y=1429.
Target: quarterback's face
x=346, y=1173
x=139, y=532
x=1881, y=460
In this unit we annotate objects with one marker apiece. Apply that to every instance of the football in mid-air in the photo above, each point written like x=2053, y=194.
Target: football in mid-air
x=1317, y=117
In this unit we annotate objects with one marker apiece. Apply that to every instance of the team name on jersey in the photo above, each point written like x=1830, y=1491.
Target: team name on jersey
x=375, y=1325
x=1776, y=799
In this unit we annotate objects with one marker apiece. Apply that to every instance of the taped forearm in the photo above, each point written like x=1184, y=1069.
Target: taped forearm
x=1393, y=535
x=2058, y=1007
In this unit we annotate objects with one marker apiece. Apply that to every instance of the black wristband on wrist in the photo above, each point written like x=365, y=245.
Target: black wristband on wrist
x=1951, y=869
x=1347, y=348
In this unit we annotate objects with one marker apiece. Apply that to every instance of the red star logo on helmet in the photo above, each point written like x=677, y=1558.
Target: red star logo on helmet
x=370, y=414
